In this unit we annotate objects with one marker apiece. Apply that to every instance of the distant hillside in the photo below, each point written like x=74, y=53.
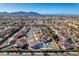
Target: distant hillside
x=21, y=13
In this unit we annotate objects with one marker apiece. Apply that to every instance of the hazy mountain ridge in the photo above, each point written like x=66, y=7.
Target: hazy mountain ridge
x=20, y=13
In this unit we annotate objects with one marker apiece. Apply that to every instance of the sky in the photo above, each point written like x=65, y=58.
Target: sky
x=43, y=8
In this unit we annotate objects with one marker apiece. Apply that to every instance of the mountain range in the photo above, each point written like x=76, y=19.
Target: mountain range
x=20, y=13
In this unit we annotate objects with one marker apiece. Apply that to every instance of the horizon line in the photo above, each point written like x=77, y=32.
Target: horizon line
x=39, y=13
